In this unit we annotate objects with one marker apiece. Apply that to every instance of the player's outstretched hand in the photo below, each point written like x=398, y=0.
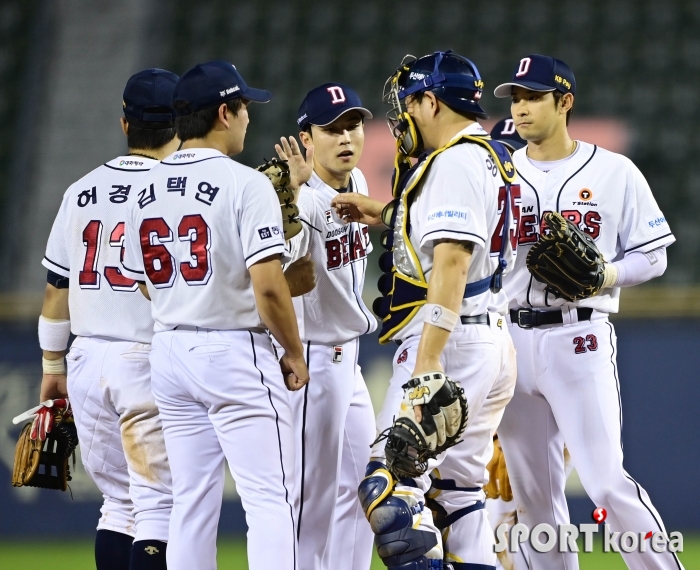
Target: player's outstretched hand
x=53, y=386
x=295, y=372
x=300, y=167
x=354, y=207
x=301, y=276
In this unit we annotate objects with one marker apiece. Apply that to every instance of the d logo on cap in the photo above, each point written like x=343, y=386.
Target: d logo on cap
x=337, y=95
x=524, y=67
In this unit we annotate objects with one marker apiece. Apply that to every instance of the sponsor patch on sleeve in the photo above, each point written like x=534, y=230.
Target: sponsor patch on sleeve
x=448, y=215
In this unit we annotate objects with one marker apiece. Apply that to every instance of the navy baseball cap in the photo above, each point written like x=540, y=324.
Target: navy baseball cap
x=539, y=73
x=504, y=131
x=211, y=83
x=326, y=103
x=148, y=96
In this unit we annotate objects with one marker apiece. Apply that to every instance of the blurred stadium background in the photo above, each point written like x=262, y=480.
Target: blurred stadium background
x=63, y=65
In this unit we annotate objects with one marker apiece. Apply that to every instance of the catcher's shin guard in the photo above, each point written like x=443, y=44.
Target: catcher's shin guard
x=392, y=515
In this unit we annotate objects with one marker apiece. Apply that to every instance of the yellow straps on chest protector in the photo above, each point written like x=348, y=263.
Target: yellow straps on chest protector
x=402, y=295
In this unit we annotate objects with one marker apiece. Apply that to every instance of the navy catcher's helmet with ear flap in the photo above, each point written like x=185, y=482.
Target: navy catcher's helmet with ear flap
x=452, y=78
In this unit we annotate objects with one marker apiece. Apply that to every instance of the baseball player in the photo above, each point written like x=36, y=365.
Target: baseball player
x=503, y=511
x=109, y=382
x=454, y=229
x=568, y=389
x=334, y=418
x=205, y=235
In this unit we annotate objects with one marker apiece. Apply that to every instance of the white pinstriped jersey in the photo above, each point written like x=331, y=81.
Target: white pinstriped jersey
x=86, y=245
x=333, y=312
x=607, y=196
x=200, y=221
x=462, y=197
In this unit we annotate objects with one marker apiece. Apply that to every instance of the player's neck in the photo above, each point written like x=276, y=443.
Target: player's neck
x=207, y=142
x=335, y=180
x=449, y=131
x=555, y=147
x=157, y=153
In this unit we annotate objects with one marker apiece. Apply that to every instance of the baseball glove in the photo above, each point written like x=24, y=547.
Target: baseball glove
x=44, y=446
x=566, y=260
x=411, y=443
x=278, y=172
x=499, y=482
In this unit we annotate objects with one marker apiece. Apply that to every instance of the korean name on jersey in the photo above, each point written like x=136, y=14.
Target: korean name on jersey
x=200, y=221
x=603, y=193
x=86, y=245
x=333, y=312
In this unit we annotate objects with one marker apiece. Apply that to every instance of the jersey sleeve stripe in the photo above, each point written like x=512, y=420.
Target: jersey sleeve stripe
x=260, y=254
x=55, y=267
x=652, y=241
x=449, y=234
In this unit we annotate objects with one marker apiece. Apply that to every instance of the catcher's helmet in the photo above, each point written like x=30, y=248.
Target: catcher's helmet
x=453, y=79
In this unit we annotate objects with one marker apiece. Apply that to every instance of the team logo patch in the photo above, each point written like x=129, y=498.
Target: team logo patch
x=585, y=194
x=337, y=354
x=264, y=233
x=403, y=357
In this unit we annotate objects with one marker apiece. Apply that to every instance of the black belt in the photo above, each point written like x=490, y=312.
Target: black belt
x=475, y=320
x=530, y=318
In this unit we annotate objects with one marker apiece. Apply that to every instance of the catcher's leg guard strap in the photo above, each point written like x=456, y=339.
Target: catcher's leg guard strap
x=421, y=564
x=468, y=566
x=443, y=523
x=403, y=546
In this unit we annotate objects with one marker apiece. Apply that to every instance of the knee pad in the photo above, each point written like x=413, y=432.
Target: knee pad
x=391, y=517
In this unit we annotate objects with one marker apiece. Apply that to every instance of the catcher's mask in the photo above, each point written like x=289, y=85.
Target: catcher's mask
x=452, y=78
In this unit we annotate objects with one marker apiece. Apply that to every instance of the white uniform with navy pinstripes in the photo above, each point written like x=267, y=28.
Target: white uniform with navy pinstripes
x=216, y=380
x=567, y=390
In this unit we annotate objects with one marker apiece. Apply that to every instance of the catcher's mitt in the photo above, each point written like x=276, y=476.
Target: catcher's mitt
x=278, y=172
x=410, y=443
x=44, y=446
x=566, y=260
x=499, y=482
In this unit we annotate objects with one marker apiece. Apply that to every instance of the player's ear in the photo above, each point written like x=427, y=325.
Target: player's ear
x=125, y=126
x=566, y=102
x=225, y=115
x=430, y=98
x=306, y=139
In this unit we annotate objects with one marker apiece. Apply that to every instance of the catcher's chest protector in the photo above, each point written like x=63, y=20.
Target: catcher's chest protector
x=403, y=285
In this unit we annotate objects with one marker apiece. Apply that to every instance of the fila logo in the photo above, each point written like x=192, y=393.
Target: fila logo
x=508, y=127
x=524, y=67
x=337, y=95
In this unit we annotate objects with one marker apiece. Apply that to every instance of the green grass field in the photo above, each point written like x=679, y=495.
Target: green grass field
x=72, y=555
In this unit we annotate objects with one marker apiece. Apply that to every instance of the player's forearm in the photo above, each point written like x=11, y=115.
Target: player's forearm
x=274, y=303
x=637, y=267
x=55, y=310
x=448, y=279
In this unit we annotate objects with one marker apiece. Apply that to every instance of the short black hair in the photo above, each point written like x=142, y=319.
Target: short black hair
x=418, y=97
x=557, y=97
x=198, y=124
x=143, y=135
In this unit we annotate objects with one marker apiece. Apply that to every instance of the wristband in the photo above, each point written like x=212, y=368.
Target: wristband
x=57, y=366
x=53, y=334
x=609, y=275
x=440, y=316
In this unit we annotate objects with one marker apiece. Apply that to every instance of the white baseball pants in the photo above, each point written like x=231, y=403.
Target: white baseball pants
x=482, y=359
x=221, y=395
x=568, y=391
x=120, y=434
x=334, y=428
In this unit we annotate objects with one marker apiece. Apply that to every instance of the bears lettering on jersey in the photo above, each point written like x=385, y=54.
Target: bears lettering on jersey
x=346, y=244
x=532, y=225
